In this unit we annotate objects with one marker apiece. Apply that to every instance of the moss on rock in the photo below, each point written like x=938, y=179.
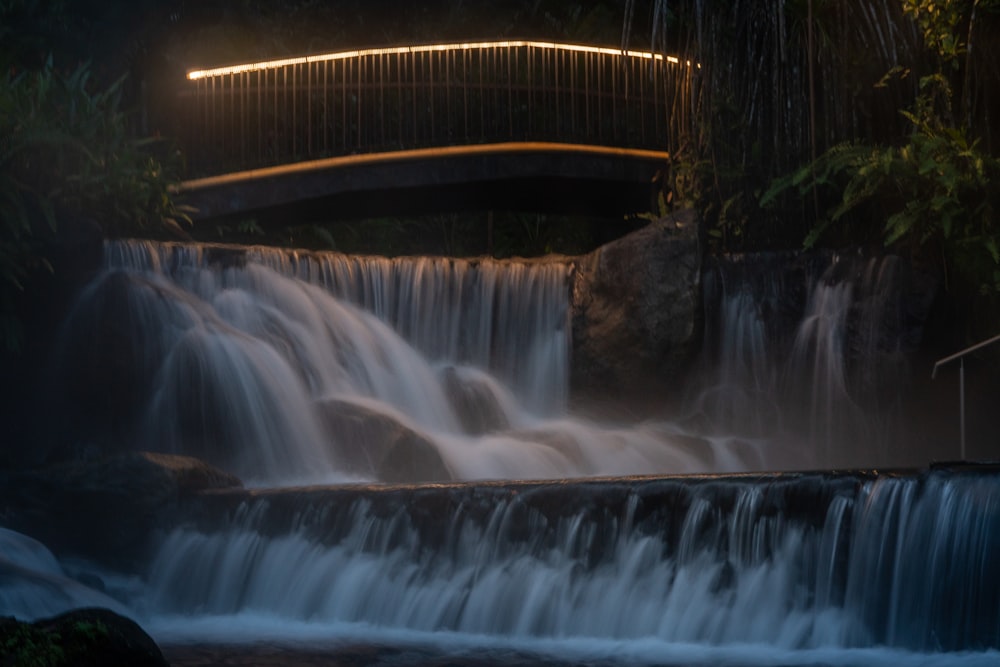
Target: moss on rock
x=81, y=638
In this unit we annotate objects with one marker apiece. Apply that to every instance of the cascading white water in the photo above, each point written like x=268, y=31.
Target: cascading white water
x=291, y=367
x=817, y=366
x=508, y=317
x=299, y=367
x=813, y=355
x=733, y=568
x=743, y=386
x=488, y=584
x=804, y=570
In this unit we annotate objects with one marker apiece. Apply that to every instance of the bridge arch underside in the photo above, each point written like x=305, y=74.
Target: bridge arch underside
x=517, y=176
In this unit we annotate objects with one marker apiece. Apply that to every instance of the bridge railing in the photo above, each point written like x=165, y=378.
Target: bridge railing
x=374, y=100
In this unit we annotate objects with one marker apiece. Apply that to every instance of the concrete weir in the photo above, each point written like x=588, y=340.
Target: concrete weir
x=656, y=503
x=895, y=558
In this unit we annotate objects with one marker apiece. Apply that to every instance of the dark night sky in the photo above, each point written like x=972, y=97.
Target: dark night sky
x=155, y=42
x=158, y=38
x=102, y=26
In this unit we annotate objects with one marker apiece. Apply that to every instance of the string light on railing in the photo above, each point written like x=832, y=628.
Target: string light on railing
x=424, y=48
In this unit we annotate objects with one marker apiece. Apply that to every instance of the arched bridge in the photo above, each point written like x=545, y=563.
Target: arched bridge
x=510, y=124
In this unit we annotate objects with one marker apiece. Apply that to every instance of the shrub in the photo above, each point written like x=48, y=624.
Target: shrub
x=66, y=151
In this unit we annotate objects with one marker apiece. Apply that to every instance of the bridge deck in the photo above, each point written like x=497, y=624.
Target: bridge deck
x=554, y=177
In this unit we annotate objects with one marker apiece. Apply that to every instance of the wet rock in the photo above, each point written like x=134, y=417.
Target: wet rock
x=81, y=638
x=107, y=509
x=112, y=345
x=191, y=474
x=475, y=404
x=637, y=309
x=370, y=442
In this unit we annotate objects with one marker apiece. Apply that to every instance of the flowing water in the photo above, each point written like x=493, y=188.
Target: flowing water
x=813, y=351
x=302, y=368
x=291, y=367
x=724, y=562
x=794, y=569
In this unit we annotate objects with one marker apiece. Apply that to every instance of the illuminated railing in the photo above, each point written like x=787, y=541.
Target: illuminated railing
x=374, y=100
x=960, y=357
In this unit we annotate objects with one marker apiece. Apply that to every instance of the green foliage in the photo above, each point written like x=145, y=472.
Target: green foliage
x=30, y=646
x=25, y=645
x=942, y=22
x=939, y=21
x=72, y=149
x=89, y=632
x=725, y=192
x=938, y=189
x=66, y=151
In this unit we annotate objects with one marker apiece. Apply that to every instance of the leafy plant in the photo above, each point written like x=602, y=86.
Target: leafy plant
x=68, y=153
x=939, y=189
x=31, y=646
x=939, y=22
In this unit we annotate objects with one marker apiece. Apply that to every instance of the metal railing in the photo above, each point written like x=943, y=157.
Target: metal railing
x=960, y=356
x=374, y=100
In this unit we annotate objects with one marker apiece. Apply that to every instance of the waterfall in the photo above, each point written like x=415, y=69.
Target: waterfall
x=289, y=367
x=804, y=569
x=300, y=367
x=294, y=368
x=797, y=564
x=811, y=351
x=507, y=317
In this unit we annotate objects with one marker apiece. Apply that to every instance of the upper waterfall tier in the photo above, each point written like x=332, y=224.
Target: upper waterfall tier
x=294, y=367
x=507, y=317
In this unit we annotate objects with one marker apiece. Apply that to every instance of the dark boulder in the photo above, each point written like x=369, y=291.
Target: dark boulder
x=107, y=509
x=190, y=474
x=370, y=442
x=637, y=309
x=106, y=359
x=89, y=637
x=32, y=320
x=476, y=405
